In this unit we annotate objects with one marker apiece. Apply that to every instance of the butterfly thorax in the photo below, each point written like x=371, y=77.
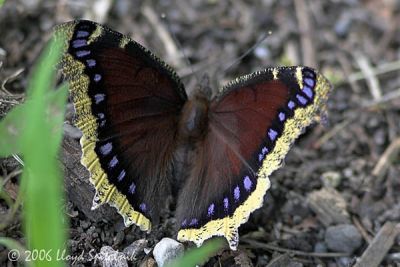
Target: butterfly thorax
x=194, y=118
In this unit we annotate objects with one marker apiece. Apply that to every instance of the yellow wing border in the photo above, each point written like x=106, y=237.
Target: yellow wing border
x=73, y=70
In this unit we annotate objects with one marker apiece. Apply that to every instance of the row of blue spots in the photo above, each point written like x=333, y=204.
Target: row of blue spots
x=247, y=184
x=308, y=83
x=80, y=42
x=193, y=222
x=308, y=86
x=106, y=150
x=98, y=98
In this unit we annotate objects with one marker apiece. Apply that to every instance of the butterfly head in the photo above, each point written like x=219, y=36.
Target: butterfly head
x=204, y=88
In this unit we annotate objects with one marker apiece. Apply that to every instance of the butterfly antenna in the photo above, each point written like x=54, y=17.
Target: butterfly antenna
x=251, y=49
x=164, y=17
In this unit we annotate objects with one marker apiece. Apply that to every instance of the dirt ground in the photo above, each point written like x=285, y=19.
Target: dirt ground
x=335, y=202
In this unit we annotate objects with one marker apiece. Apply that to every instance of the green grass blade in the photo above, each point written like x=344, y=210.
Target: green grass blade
x=42, y=179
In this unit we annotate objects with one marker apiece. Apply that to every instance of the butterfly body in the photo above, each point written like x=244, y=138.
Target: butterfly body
x=144, y=139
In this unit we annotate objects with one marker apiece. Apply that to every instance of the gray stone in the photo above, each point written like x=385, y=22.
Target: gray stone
x=166, y=250
x=329, y=205
x=343, y=238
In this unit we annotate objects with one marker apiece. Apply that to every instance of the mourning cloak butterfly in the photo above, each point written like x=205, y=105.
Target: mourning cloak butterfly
x=143, y=139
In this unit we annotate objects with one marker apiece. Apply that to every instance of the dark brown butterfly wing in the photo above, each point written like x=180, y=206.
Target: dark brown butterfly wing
x=251, y=127
x=127, y=105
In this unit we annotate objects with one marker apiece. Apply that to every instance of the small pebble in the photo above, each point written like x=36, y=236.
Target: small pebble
x=166, y=250
x=331, y=179
x=343, y=238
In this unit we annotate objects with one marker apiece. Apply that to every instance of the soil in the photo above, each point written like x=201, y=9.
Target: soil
x=338, y=194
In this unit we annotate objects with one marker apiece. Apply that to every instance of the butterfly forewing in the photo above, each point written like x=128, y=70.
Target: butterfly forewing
x=127, y=105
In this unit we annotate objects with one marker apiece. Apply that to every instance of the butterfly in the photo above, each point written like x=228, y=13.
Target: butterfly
x=145, y=139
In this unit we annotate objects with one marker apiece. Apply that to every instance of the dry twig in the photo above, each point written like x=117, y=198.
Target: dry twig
x=305, y=25
x=386, y=159
x=379, y=246
x=269, y=247
x=362, y=230
x=367, y=70
x=173, y=54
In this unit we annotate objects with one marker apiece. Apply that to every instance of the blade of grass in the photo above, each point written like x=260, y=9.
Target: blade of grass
x=199, y=255
x=41, y=179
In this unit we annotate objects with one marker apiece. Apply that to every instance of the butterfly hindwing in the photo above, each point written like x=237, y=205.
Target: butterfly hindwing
x=127, y=105
x=252, y=125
